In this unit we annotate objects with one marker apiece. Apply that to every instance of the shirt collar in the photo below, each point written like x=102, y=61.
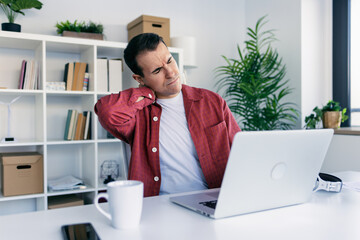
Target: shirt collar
x=191, y=93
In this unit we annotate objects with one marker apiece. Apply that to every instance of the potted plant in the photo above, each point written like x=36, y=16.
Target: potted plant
x=254, y=84
x=12, y=8
x=331, y=116
x=80, y=29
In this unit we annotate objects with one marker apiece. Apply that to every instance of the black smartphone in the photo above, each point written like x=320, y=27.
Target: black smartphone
x=79, y=231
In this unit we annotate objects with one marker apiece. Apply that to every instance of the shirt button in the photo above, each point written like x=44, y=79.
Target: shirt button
x=156, y=178
x=154, y=149
x=150, y=96
x=155, y=119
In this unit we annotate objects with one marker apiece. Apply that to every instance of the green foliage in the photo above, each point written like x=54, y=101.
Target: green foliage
x=12, y=8
x=89, y=27
x=254, y=85
x=314, y=118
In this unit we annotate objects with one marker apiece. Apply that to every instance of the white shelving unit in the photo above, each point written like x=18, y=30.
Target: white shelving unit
x=39, y=116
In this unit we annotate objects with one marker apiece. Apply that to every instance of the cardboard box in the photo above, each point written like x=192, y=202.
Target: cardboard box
x=22, y=173
x=150, y=24
x=64, y=201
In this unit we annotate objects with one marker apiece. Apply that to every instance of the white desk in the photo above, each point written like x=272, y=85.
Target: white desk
x=325, y=216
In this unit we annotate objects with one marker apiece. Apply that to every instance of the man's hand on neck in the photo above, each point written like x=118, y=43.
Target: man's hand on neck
x=141, y=98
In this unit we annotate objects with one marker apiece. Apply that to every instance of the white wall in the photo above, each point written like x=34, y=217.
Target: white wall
x=303, y=28
x=316, y=52
x=216, y=25
x=343, y=154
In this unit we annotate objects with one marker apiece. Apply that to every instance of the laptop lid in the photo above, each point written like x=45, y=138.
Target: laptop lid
x=270, y=169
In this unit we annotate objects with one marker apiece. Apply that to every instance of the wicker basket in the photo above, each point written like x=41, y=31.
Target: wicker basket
x=331, y=119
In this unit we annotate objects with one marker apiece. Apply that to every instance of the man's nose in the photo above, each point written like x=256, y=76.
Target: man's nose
x=170, y=72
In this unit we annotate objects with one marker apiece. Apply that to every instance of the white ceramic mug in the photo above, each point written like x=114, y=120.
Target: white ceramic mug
x=125, y=200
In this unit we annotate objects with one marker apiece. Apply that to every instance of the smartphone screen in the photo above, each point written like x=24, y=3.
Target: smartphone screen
x=81, y=231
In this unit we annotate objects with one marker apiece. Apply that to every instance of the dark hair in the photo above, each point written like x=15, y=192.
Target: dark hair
x=137, y=45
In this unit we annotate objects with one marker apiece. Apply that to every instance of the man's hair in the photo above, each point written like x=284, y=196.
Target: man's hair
x=137, y=45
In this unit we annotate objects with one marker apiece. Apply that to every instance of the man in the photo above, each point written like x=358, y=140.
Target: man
x=180, y=136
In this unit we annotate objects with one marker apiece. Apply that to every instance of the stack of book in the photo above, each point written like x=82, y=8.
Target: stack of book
x=76, y=76
x=29, y=75
x=78, y=125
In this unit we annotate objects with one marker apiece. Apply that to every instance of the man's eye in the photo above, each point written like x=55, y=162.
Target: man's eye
x=156, y=71
x=170, y=60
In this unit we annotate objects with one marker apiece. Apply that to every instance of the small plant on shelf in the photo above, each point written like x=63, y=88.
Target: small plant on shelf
x=332, y=115
x=80, y=29
x=12, y=8
x=76, y=26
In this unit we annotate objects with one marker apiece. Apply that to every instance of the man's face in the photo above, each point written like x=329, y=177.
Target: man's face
x=160, y=71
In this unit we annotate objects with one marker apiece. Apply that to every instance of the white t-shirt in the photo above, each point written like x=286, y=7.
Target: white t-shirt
x=179, y=163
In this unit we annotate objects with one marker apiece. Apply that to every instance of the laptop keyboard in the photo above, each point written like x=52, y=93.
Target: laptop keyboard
x=210, y=204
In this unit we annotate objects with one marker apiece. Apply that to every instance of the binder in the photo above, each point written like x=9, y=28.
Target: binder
x=115, y=75
x=102, y=75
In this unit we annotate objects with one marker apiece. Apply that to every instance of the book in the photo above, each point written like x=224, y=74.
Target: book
x=82, y=71
x=27, y=75
x=79, y=74
x=67, y=124
x=69, y=75
x=22, y=74
x=102, y=75
x=78, y=126
x=72, y=123
x=86, y=82
x=115, y=75
x=34, y=74
x=82, y=127
x=38, y=77
x=87, y=115
x=76, y=73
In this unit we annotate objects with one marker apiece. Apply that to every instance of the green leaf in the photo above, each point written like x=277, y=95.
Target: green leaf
x=254, y=84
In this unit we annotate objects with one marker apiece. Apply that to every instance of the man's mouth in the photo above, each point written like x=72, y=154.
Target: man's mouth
x=174, y=80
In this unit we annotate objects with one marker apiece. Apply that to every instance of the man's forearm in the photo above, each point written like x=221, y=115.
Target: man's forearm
x=116, y=112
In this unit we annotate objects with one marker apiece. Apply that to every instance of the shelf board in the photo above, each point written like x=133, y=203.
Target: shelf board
x=62, y=142
x=73, y=93
x=102, y=94
x=20, y=197
x=22, y=142
x=21, y=92
x=108, y=140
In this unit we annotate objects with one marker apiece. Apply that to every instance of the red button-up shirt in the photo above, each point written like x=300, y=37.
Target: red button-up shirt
x=211, y=124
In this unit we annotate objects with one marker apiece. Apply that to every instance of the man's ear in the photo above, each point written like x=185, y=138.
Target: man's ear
x=138, y=78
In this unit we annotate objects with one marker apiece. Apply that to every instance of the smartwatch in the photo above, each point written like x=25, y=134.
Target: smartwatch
x=327, y=182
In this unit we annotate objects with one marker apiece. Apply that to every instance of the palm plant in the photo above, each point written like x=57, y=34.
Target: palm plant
x=254, y=85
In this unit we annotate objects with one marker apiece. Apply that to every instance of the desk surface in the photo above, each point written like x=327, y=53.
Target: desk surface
x=325, y=216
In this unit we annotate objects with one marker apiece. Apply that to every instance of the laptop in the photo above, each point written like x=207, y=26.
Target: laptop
x=265, y=170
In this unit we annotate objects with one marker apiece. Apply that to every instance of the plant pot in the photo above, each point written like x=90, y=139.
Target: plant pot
x=97, y=36
x=12, y=27
x=331, y=119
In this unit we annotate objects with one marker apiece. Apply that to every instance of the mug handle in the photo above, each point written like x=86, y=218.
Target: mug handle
x=96, y=202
